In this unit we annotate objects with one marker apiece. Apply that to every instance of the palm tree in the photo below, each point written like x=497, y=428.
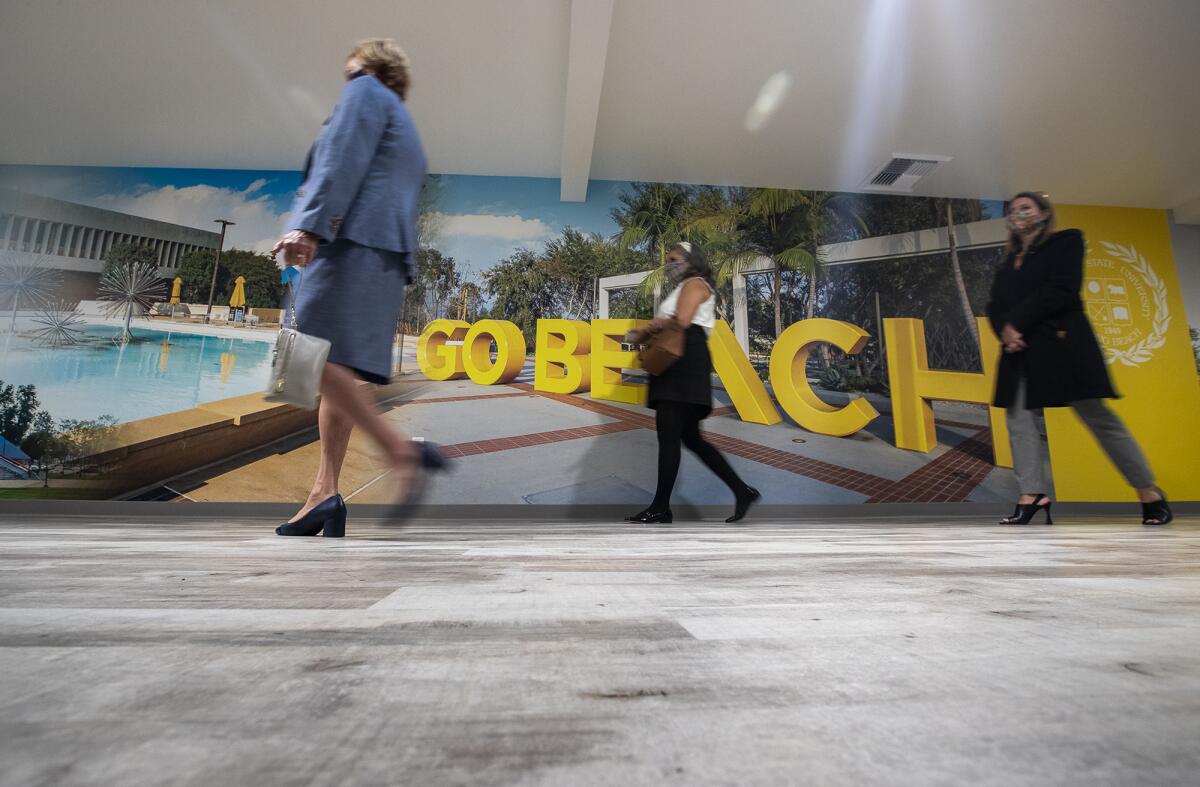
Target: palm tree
x=720, y=229
x=959, y=282
x=652, y=218
x=129, y=286
x=803, y=220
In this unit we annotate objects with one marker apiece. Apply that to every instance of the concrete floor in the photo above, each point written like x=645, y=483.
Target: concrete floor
x=213, y=653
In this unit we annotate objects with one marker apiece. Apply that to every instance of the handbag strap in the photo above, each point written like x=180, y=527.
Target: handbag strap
x=294, y=289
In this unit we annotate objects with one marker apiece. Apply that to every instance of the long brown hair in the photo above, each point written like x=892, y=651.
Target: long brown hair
x=1043, y=201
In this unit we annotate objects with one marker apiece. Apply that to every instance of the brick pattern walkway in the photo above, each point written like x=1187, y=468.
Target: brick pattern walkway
x=949, y=478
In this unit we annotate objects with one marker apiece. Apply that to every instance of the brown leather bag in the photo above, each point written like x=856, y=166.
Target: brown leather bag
x=662, y=348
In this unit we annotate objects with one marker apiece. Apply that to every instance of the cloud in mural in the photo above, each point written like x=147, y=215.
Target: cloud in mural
x=482, y=225
x=258, y=223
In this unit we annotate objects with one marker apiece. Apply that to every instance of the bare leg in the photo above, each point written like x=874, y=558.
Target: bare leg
x=335, y=427
x=354, y=402
x=1149, y=494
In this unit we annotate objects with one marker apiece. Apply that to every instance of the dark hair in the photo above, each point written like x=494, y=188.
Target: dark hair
x=1043, y=201
x=698, y=264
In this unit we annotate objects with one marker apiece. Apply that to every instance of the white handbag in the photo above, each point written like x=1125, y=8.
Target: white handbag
x=297, y=365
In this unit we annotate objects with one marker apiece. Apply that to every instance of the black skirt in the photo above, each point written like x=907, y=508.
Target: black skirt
x=690, y=378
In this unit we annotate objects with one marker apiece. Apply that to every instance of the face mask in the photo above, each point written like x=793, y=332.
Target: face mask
x=1024, y=221
x=677, y=270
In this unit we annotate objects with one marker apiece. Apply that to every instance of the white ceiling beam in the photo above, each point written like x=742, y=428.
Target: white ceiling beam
x=591, y=21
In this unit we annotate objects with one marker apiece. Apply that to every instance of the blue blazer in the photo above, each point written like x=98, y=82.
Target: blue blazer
x=364, y=173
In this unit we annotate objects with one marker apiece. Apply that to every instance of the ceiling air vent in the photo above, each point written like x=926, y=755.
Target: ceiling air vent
x=903, y=172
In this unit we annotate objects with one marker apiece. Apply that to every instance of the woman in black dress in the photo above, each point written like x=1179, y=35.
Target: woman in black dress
x=682, y=395
x=1051, y=358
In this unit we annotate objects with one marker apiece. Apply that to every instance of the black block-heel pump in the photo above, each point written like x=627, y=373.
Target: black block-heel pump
x=1026, y=511
x=430, y=459
x=328, y=516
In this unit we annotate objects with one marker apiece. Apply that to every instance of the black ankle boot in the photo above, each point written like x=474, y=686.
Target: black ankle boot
x=329, y=515
x=746, y=498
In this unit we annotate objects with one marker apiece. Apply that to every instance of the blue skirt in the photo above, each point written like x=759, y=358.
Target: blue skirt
x=352, y=296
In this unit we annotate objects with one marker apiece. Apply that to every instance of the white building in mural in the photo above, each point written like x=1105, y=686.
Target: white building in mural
x=37, y=230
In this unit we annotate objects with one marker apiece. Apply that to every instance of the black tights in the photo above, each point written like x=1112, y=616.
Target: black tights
x=676, y=423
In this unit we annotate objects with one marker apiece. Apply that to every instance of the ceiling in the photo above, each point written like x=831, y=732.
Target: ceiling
x=1095, y=101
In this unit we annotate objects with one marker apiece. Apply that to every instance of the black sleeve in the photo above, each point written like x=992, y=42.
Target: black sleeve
x=993, y=307
x=1058, y=290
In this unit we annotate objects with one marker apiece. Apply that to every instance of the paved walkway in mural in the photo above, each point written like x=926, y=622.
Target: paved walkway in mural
x=517, y=445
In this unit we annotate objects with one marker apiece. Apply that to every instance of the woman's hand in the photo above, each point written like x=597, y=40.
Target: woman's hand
x=1013, y=341
x=639, y=335
x=298, y=247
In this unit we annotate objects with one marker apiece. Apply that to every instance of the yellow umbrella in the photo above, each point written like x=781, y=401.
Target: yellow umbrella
x=175, y=289
x=238, y=299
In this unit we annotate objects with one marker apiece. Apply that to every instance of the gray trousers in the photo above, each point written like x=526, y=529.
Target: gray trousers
x=1029, y=452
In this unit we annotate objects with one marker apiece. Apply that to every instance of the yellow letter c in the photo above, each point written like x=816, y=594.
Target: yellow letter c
x=789, y=379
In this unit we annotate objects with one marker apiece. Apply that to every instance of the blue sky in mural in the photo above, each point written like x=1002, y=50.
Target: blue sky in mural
x=256, y=200
x=484, y=219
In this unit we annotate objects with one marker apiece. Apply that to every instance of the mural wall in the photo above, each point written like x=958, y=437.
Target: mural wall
x=852, y=364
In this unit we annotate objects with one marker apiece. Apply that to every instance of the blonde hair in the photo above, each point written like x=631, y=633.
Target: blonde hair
x=387, y=61
x=1042, y=199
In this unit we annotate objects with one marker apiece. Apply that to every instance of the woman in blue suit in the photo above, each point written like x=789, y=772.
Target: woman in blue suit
x=353, y=232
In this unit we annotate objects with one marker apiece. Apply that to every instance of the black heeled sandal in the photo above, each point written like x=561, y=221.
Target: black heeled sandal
x=328, y=516
x=1026, y=511
x=648, y=517
x=1157, y=512
x=747, y=498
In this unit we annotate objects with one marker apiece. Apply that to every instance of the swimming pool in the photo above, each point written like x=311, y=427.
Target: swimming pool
x=159, y=372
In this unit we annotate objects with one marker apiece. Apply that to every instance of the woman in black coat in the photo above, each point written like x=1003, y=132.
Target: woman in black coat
x=1051, y=358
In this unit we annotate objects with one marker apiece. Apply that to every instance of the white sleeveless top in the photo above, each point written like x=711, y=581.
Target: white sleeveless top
x=706, y=313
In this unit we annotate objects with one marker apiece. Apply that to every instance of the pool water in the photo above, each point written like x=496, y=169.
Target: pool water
x=159, y=372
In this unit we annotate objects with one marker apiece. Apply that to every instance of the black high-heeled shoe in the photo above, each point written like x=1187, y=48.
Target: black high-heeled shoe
x=1025, y=511
x=648, y=517
x=1157, y=512
x=748, y=497
x=329, y=516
